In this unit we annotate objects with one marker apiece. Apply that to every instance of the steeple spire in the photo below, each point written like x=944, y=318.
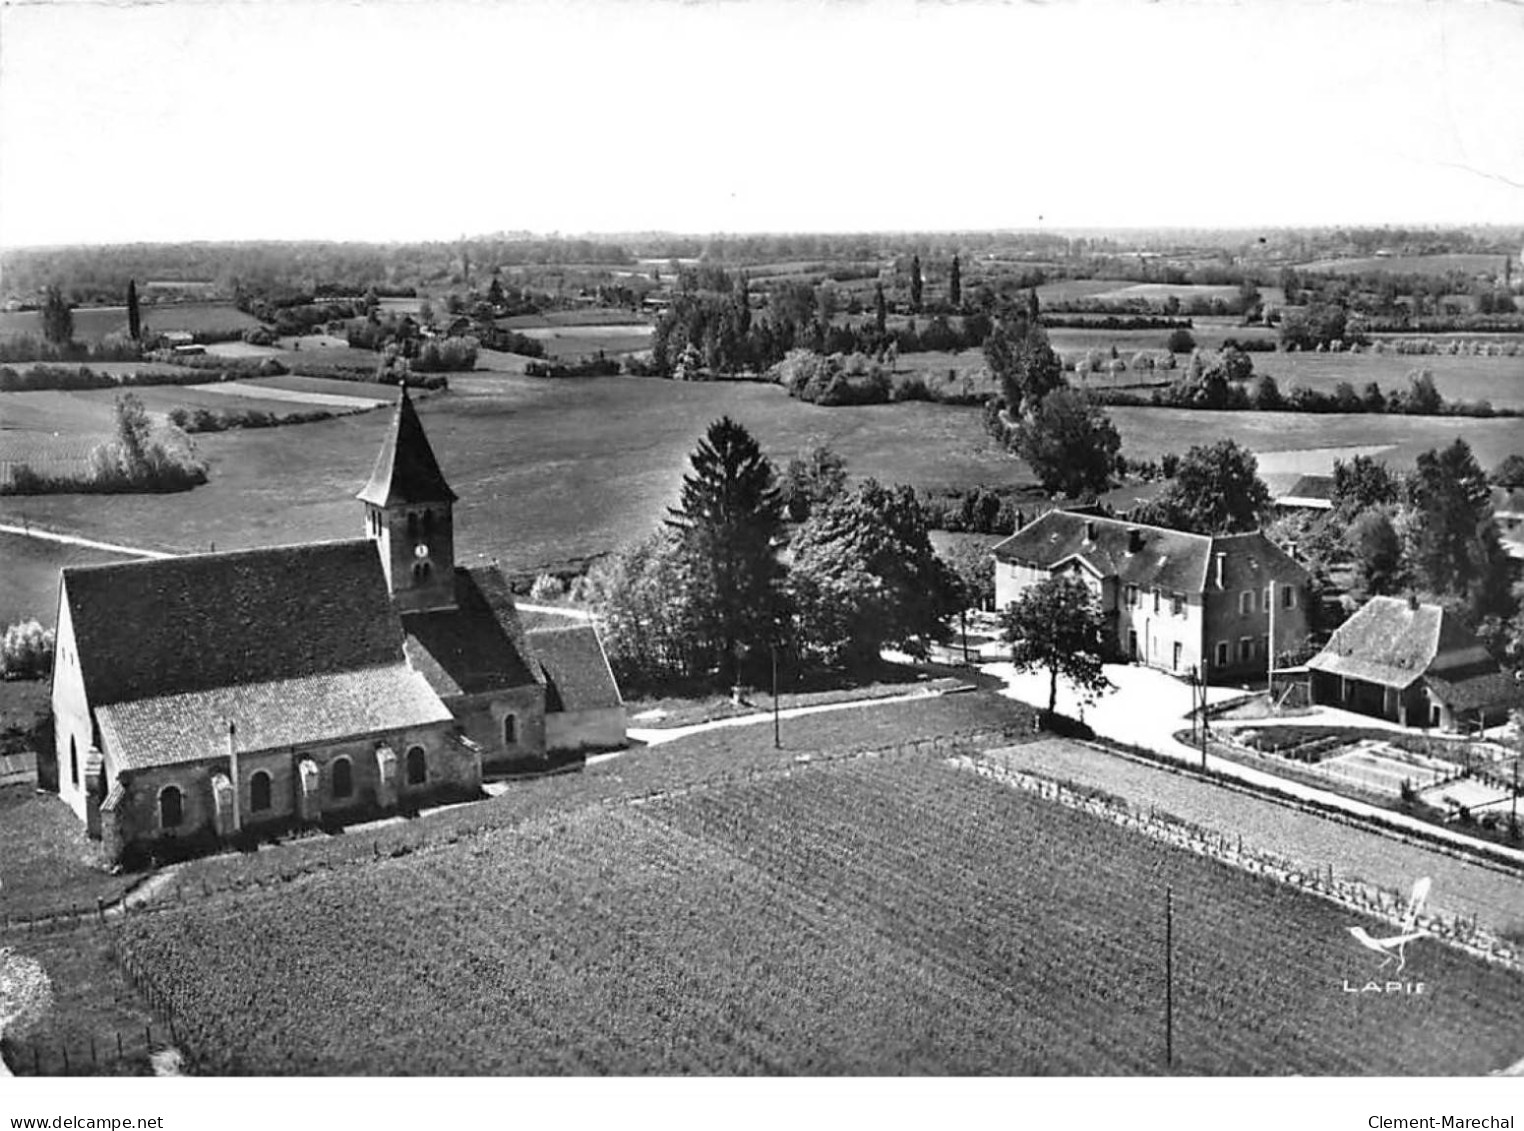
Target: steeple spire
x=409, y=513
x=406, y=470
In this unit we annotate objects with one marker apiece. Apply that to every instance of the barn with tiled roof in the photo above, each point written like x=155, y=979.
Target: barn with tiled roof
x=212, y=697
x=1415, y=664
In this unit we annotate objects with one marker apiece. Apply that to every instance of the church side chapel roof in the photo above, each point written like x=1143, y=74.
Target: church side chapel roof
x=576, y=671
x=171, y=626
x=477, y=646
x=406, y=470
x=191, y=727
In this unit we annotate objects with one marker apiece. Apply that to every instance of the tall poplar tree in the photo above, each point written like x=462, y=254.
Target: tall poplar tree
x=134, y=320
x=915, y=283
x=57, y=318
x=955, y=283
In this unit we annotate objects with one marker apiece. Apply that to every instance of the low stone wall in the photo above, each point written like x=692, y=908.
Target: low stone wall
x=1367, y=899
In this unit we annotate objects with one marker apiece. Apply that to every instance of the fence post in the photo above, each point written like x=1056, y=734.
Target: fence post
x=64, y=1049
x=93, y=1061
x=119, y=1044
x=148, y=1036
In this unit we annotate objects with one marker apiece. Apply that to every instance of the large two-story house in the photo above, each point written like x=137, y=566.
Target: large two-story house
x=1173, y=600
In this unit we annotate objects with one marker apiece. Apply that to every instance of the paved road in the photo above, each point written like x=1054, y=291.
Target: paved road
x=1310, y=840
x=654, y=736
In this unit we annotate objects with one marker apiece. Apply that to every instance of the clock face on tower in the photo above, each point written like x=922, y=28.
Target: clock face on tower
x=420, y=551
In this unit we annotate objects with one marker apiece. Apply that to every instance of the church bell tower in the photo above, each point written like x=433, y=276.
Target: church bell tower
x=409, y=514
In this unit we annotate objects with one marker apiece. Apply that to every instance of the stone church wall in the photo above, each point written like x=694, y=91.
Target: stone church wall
x=601, y=729
x=484, y=719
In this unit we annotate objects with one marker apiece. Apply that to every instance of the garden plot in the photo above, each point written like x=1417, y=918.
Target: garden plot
x=1382, y=768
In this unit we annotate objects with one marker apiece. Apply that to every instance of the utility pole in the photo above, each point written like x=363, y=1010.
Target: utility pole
x=1169, y=976
x=777, y=737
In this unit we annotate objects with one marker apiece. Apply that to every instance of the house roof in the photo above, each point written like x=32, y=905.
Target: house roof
x=574, y=668
x=1390, y=642
x=1314, y=492
x=1467, y=691
x=192, y=726
x=475, y=647
x=1171, y=560
x=406, y=470
x=148, y=629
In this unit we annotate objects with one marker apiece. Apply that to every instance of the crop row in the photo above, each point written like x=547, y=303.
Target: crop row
x=879, y=915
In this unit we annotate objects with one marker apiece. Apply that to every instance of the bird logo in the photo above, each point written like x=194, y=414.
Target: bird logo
x=1395, y=946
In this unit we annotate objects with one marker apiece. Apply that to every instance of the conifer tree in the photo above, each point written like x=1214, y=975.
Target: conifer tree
x=955, y=284
x=915, y=283
x=57, y=318
x=729, y=516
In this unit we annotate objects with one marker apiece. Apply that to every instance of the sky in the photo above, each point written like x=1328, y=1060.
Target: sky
x=433, y=119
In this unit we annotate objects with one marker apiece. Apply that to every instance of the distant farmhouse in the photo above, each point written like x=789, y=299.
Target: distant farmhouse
x=215, y=696
x=1413, y=664
x=1508, y=507
x=1175, y=601
x=1309, y=492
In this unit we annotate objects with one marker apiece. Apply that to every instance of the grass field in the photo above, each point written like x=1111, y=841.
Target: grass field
x=586, y=316
x=92, y=323
x=571, y=340
x=1413, y=264
x=869, y=917
x=29, y=575
x=550, y=472
x=1499, y=380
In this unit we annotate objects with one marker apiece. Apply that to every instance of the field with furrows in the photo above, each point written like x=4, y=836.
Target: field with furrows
x=882, y=915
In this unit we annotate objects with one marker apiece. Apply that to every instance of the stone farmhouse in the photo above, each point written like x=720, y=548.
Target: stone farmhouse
x=1414, y=664
x=223, y=696
x=1175, y=601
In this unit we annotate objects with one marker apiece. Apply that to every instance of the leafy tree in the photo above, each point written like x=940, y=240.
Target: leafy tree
x=1180, y=341
x=1069, y=443
x=1361, y=484
x=973, y=564
x=26, y=651
x=865, y=578
x=57, y=318
x=955, y=283
x=729, y=517
x=880, y=309
x=641, y=599
x=1266, y=394
x=915, y=283
x=1509, y=473
x=1216, y=489
x=1376, y=547
x=134, y=317
x=1453, y=546
x=812, y=480
x=1057, y=625
x=1423, y=397
x=1019, y=356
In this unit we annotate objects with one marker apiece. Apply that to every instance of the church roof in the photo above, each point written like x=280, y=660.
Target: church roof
x=475, y=647
x=149, y=629
x=575, y=669
x=192, y=726
x=406, y=470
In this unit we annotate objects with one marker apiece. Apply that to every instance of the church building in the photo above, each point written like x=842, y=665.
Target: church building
x=219, y=697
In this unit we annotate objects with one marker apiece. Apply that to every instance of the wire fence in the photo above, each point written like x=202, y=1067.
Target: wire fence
x=121, y=1051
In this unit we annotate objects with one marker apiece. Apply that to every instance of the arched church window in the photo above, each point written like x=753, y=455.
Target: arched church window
x=259, y=791
x=421, y=572
x=171, y=807
x=417, y=766
x=428, y=523
x=343, y=778
x=73, y=761
x=510, y=729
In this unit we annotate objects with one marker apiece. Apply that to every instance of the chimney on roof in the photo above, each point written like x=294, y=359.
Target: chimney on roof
x=1090, y=530
x=1134, y=540
x=1220, y=557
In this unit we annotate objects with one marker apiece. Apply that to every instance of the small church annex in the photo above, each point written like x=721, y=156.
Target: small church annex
x=216, y=697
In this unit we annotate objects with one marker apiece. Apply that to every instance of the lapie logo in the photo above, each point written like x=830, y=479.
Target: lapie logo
x=1394, y=947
